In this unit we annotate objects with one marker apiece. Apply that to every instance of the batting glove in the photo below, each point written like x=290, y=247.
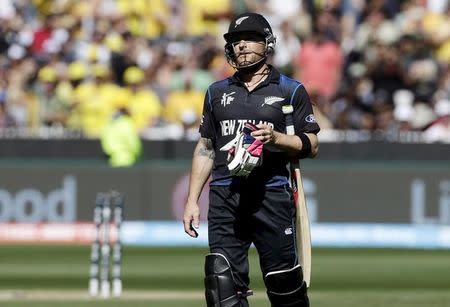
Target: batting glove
x=246, y=152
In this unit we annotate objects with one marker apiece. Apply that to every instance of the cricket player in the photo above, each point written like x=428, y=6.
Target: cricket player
x=245, y=147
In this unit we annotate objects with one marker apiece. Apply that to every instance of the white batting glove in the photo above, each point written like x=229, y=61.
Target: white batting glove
x=245, y=153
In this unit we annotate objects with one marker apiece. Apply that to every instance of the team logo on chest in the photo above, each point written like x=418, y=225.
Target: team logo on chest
x=227, y=99
x=271, y=100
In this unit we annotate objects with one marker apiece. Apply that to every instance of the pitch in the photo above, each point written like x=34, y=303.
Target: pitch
x=170, y=277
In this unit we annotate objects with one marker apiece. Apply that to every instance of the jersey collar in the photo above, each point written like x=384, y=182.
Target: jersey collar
x=274, y=77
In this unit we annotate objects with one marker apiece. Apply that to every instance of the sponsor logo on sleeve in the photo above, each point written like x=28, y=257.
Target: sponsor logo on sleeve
x=310, y=118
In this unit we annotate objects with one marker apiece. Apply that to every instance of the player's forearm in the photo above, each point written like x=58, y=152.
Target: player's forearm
x=293, y=145
x=202, y=163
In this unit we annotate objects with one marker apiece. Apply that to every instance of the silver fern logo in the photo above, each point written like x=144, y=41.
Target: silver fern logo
x=240, y=20
x=271, y=100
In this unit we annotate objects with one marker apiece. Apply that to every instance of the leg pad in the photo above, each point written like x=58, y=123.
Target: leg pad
x=220, y=289
x=287, y=288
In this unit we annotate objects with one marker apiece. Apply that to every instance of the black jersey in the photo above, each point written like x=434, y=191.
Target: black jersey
x=228, y=105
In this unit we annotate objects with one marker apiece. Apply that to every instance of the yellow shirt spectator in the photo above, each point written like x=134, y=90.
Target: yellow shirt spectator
x=178, y=102
x=144, y=105
x=93, y=114
x=145, y=108
x=201, y=16
x=437, y=27
x=146, y=18
x=95, y=104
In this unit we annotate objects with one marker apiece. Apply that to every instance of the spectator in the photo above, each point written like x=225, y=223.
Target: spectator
x=184, y=107
x=319, y=65
x=120, y=140
x=288, y=47
x=149, y=19
x=144, y=105
x=203, y=17
x=6, y=120
x=439, y=129
x=87, y=113
x=53, y=110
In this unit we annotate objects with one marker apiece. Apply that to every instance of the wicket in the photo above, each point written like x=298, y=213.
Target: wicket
x=106, y=220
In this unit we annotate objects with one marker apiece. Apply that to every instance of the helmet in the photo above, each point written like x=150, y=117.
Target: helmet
x=253, y=23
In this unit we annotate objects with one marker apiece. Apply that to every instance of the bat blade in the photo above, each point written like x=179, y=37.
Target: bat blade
x=303, y=232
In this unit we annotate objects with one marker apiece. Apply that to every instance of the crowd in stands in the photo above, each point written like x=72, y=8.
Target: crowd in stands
x=379, y=66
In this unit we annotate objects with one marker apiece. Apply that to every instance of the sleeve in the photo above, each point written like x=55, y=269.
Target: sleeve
x=207, y=128
x=304, y=119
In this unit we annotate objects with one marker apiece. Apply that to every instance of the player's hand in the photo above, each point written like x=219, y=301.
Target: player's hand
x=265, y=134
x=191, y=219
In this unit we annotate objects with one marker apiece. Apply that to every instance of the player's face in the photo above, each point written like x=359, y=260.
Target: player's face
x=249, y=48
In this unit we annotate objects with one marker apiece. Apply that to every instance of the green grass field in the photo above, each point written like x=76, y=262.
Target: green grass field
x=171, y=277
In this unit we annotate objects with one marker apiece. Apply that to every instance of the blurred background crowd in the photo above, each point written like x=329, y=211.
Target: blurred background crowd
x=378, y=66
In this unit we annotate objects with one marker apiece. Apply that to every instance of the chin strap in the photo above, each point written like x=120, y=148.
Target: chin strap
x=250, y=68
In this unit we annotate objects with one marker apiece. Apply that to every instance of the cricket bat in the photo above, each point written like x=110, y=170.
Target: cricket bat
x=302, y=229
x=303, y=233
